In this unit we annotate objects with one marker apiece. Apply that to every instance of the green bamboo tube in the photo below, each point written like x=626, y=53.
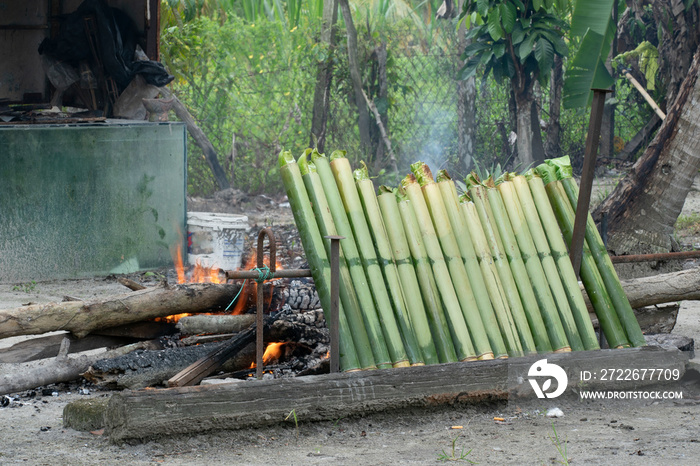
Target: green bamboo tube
x=489, y=272
x=315, y=253
x=479, y=196
x=369, y=313
x=439, y=328
x=407, y=275
x=455, y=317
x=592, y=281
x=481, y=333
x=605, y=266
x=558, y=334
x=455, y=264
x=531, y=306
x=363, y=239
x=348, y=297
x=368, y=197
x=560, y=255
x=532, y=218
x=448, y=191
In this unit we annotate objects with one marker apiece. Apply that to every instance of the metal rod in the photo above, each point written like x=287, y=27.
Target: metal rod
x=334, y=311
x=284, y=273
x=587, y=175
x=664, y=256
x=260, y=309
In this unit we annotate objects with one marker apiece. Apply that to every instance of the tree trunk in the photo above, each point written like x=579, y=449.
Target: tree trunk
x=645, y=205
x=553, y=144
x=530, y=150
x=200, y=139
x=363, y=113
x=466, y=114
x=324, y=75
x=383, y=95
x=639, y=140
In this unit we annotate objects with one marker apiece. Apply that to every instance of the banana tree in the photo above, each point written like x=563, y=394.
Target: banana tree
x=516, y=40
x=592, y=24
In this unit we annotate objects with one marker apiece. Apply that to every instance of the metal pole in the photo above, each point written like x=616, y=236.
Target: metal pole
x=259, y=289
x=335, y=308
x=664, y=256
x=587, y=175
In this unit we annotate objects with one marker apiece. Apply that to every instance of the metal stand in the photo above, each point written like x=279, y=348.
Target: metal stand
x=290, y=273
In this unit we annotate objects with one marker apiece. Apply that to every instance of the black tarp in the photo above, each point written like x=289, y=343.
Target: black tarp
x=117, y=37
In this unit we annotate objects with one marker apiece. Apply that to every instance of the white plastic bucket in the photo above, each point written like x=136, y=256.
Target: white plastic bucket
x=216, y=240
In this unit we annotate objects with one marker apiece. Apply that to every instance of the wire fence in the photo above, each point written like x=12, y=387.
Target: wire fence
x=252, y=105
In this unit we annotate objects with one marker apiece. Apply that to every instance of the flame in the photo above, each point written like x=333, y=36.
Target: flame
x=273, y=351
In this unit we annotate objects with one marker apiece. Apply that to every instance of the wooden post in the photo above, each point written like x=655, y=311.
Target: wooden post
x=589, y=161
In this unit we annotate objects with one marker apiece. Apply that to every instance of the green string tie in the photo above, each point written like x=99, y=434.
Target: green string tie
x=264, y=273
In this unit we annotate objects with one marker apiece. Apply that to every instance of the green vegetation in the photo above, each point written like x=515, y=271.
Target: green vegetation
x=453, y=455
x=25, y=287
x=560, y=445
x=247, y=70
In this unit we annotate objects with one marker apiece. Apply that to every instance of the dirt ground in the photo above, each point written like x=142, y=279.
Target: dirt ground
x=633, y=432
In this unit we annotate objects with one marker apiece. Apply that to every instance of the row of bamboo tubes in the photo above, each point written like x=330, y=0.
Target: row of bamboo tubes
x=428, y=277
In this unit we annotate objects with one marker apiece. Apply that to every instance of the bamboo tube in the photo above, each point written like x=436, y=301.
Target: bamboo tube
x=481, y=334
x=342, y=173
x=315, y=252
x=602, y=259
x=348, y=297
x=369, y=313
x=520, y=275
x=407, y=275
x=448, y=192
x=479, y=196
x=455, y=317
x=441, y=332
x=455, y=264
x=592, y=281
x=558, y=335
x=368, y=197
x=532, y=218
x=489, y=272
x=558, y=249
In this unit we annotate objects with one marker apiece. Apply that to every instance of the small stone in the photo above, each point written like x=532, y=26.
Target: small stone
x=555, y=412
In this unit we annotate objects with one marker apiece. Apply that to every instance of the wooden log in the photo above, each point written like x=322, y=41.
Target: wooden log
x=18, y=377
x=81, y=317
x=48, y=346
x=147, y=414
x=663, y=288
x=645, y=292
x=194, y=325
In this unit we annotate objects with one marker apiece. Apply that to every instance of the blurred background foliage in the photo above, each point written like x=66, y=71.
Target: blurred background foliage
x=247, y=70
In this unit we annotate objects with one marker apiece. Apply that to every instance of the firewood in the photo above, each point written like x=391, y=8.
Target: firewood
x=151, y=368
x=658, y=289
x=17, y=377
x=81, y=318
x=194, y=325
x=47, y=346
x=132, y=285
x=146, y=414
